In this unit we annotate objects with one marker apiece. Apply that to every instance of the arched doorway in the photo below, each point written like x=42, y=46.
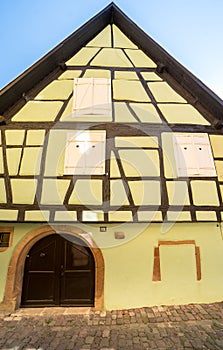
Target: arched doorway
x=14, y=281
x=59, y=271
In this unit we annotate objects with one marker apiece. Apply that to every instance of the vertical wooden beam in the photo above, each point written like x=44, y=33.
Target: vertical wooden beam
x=156, y=265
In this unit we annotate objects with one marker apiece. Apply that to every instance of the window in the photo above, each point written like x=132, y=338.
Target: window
x=85, y=153
x=5, y=237
x=193, y=155
x=92, y=96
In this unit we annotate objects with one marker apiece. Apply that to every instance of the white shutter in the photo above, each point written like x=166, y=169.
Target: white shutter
x=85, y=153
x=95, y=154
x=185, y=157
x=204, y=155
x=83, y=96
x=92, y=96
x=193, y=155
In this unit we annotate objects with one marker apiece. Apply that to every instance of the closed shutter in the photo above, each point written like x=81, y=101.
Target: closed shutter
x=92, y=96
x=85, y=153
x=204, y=155
x=193, y=155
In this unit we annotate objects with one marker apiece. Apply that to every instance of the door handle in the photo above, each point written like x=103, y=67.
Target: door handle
x=62, y=273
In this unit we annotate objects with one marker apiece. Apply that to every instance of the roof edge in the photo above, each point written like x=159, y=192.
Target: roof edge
x=182, y=75
x=13, y=91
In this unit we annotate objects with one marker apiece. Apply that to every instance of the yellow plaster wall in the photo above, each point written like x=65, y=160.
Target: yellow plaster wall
x=146, y=112
x=38, y=111
x=178, y=216
x=35, y=137
x=31, y=159
x=182, y=114
x=103, y=39
x=37, y=215
x=169, y=159
x=217, y=145
x=83, y=56
x=114, y=169
x=123, y=114
x=9, y=214
x=164, y=93
x=97, y=73
x=65, y=216
x=57, y=90
x=126, y=75
x=129, y=263
x=111, y=58
x=178, y=285
x=145, y=192
x=120, y=215
x=23, y=190
x=151, y=76
x=139, y=162
x=54, y=165
x=140, y=59
x=136, y=141
x=2, y=191
x=14, y=137
x=1, y=162
x=177, y=193
x=118, y=193
x=149, y=215
x=13, y=159
x=204, y=192
x=121, y=40
x=70, y=74
x=206, y=215
x=129, y=90
x=54, y=191
x=88, y=192
x=219, y=169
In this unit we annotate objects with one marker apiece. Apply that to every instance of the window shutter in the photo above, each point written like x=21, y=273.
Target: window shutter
x=204, y=155
x=92, y=96
x=185, y=157
x=95, y=154
x=85, y=153
x=193, y=155
x=74, y=156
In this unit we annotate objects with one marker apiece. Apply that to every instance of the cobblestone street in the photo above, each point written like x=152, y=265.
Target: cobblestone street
x=169, y=327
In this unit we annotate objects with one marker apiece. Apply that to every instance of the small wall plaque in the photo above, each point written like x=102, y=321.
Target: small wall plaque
x=119, y=235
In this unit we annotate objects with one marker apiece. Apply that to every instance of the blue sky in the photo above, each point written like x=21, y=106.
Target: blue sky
x=191, y=31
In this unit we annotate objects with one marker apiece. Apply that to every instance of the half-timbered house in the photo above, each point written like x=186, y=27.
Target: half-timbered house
x=111, y=176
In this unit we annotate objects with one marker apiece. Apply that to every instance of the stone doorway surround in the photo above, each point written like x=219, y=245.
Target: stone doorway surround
x=14, y=281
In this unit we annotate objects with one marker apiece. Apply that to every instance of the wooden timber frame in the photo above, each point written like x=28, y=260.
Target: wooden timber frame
x=27, y=85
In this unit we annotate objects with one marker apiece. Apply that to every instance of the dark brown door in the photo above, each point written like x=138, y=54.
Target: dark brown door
x=59, y=270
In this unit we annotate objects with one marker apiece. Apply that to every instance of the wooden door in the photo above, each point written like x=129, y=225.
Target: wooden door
x=59, y=270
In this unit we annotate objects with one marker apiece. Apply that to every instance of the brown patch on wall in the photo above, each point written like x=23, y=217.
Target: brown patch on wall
x=14, y=281
x=156, y=263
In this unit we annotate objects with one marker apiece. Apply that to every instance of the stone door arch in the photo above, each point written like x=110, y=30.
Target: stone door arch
x=13, y=287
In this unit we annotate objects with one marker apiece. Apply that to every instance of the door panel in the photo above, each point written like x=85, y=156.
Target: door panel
x=58, y=271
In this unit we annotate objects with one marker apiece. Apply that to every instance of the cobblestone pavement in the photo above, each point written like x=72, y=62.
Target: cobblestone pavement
x=161, y=327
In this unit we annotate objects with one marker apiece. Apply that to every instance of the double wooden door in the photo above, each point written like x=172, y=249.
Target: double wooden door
x=59, y=270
